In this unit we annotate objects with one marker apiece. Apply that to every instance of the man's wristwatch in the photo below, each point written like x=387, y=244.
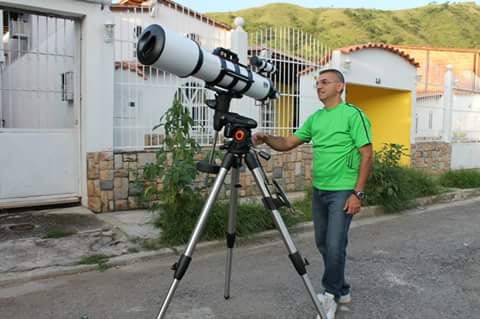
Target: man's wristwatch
x=359, y=194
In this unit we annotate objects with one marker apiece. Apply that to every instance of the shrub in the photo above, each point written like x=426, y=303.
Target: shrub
x=251, y=218
x=460, y=179
x=392, y=186
x=177, y=203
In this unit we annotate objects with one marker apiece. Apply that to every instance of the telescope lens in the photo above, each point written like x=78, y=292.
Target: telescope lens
x=151, y=44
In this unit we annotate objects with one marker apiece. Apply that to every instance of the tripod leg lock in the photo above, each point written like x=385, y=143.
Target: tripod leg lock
x=298, y=263
x=181, y=266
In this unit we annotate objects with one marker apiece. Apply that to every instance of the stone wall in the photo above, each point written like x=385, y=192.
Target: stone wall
x=112, y=177
x=432, y=156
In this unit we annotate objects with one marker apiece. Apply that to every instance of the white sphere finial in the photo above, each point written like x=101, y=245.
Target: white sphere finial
x=449, y=67
x=239, y=22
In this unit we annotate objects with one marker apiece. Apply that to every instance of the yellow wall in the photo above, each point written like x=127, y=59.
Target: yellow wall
x=284, y=109
x=389, y=112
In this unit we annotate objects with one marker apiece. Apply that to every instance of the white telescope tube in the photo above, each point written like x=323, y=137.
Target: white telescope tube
x=170, y=52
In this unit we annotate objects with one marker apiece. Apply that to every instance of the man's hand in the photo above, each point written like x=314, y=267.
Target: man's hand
x=259, y=138
x=353, y=205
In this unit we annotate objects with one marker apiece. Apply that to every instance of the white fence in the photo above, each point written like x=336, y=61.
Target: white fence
x=448, y=113
x=452, y=115
x=429, y=114
x=143, y=94
x=466, y=115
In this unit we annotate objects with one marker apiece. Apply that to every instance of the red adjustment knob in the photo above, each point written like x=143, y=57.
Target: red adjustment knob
x=240, y=135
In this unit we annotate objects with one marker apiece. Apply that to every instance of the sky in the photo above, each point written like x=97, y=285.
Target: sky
x=234, y=5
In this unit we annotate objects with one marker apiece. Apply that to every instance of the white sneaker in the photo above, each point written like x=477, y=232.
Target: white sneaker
x=321, y=298
x=345, y=299
x=329, y=305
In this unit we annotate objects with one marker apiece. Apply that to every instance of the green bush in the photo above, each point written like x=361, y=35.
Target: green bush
x=175, y=168
x=394, y=187
x=178, y=205
x=460, y=179
x=419, y=183
x=251, y=218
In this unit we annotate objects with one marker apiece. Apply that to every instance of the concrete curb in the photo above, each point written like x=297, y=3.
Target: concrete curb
x=373, y=213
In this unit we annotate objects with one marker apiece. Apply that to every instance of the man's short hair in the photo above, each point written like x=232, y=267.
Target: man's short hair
x=338, y=73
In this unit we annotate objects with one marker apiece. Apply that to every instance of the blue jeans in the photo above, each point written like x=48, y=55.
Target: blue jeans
x=331, y=224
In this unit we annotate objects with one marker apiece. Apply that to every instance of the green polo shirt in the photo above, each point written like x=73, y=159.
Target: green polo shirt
x=336, y=134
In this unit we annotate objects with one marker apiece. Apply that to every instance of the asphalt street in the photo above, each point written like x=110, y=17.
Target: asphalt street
x=421, y=264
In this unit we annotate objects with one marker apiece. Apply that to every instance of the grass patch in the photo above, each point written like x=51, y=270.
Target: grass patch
x=251, y=218
x=395, y=188
x=460, y=179
x=57, y=233
x=99, y=259
x=303, y=207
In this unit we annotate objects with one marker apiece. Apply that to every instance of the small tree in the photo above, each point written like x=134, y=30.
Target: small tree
x=169, y=181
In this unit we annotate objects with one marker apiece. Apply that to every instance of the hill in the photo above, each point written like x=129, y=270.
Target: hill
x=440, y=25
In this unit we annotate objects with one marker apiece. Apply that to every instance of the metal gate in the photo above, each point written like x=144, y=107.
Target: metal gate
x=39, y=109
x=297, y=56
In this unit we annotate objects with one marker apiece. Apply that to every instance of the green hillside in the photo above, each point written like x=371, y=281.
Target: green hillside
x=441, y=25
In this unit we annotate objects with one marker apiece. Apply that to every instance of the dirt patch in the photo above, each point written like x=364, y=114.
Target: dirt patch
x=38, y=224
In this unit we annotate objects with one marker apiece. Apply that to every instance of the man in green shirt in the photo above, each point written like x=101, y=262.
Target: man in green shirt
x=342, y=157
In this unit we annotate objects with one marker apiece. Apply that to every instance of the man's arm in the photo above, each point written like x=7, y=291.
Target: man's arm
x=353, y=204
x=278, y=143
x=366, y=153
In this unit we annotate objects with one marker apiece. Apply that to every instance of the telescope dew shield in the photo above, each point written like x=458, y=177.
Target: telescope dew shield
x=166, y=50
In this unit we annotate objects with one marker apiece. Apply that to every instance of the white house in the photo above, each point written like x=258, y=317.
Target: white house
x=66, y=94
x=78, y=112
x=57, y=98
x=381, y=80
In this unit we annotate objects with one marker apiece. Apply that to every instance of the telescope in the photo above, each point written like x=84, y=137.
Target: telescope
x=164, y=49
x=222, y=72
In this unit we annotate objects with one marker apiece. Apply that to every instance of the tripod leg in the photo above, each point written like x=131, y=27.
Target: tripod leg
x=232, y=221
x=181, y=266
x=295, y=256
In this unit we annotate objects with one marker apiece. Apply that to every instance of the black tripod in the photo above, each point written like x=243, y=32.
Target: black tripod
x=238, y=151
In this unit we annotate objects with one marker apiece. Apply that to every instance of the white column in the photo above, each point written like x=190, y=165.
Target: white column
x=97, y=84
x=413, y=132
x=240, y=40
x=239, y=37
x=448, y=105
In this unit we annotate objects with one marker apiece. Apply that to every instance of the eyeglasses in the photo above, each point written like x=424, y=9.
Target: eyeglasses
x=324, y=82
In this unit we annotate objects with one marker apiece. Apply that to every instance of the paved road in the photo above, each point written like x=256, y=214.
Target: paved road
x=425, y=264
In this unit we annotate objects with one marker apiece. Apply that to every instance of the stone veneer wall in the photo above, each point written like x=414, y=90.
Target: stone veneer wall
x=433, y=156
x=112, y=177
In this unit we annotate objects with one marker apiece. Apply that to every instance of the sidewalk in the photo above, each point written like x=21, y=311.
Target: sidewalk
x=28, y=254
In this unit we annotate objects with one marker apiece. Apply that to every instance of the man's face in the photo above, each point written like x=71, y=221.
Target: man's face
x=328, y=86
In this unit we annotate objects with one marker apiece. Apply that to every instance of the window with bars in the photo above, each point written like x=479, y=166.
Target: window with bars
x=192, y=96
x=17, y=29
